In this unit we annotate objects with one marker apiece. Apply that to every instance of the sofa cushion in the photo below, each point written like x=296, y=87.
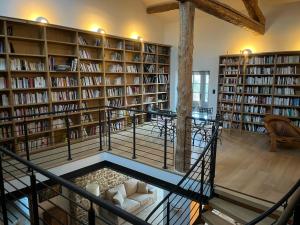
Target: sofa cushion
x=143, y=199
x=130, y=205
x=142, y=187
x=131, y=186
x=110, y=193
x=118, y=199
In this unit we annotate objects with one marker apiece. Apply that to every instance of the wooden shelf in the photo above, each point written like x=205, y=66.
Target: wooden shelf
x=38, y=43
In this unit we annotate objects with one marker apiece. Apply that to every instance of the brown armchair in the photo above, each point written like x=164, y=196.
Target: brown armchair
x=281, y=130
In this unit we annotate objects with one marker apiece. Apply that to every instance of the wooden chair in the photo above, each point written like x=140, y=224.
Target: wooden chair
x=281, y=130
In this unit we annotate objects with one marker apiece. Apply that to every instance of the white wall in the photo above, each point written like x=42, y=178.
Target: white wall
x=117, y=17
x=214, y=37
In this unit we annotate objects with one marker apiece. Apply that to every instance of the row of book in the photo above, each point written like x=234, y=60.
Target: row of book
x=5, y=132
x=91, y=93
x=17, y=64
x=90, y=131
x=2, y=46
x=288, y=59
x=150, y=89
x=87, y=117
x=253, y=119
x=19, y=112
x=4, y=116
x=254, y=109
x=60, y=123
x=288, y=70
x=286, y=112
x=74, y=134
x=64, y=81
x=163, y=59
x=230, y=70
x=28, y=82
x=90, y=67
x=149, y=99
x=162, y=97
x=261, y=60
x=163, y=88
x=117, y=114
x=30, y=98
x=255, y=100
x=259, y=90
x=35, y=144
x=69, y=65
x=117, y=102
x=233, y=60
x=64, y=95
x=163, y=78
x=136, y=80
x=2, y=64
x=118, y=44
x=3, y=83
x=163, y=69
x=118, y=125
x=149, y=48
x=285, y=91
x=84, y=54
x=254, y=128
x=134, y=101
x=288, y=80
x=228, y=89
x=116, y=81
x=149, y=68
x=115, y=68
x=287, y=101
x=260, y=70
x=32, y=127
x=83, y=41
x=149, y=58
x=259, y=80
x=133, y=69
x=116, y=56
x=91, y=80
x=149, y=79
x=111, y=92
x=64, y=107
x=132, y=90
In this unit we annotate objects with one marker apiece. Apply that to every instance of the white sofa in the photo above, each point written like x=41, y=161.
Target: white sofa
x=132, y=196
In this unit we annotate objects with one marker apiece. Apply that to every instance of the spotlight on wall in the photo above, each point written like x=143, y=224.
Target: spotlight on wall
x=140, y=38
x=41, y=19
x=101, y=30
x=246, y=51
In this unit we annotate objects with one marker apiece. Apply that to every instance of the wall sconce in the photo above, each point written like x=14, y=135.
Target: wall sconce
x=101, y=31
x=41, y=19
x=246, y=52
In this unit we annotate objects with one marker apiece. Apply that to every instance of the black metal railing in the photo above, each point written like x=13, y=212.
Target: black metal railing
x=198, y=182
x=36, y=180
x=294, y=209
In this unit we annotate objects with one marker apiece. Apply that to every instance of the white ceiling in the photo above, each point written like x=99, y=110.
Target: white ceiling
x=237, y=4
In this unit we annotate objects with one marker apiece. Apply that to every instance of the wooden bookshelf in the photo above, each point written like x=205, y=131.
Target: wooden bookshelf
x=103, y=70
x=250, y=87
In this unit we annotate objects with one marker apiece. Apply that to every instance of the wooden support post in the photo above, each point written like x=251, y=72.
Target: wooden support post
x=185, y=63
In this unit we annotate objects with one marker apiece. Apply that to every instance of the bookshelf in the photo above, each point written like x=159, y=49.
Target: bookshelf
x=47, y=68
x=250, y=87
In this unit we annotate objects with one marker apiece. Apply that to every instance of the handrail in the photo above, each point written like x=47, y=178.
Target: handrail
x=276, y=206
x=188, y=173
x=110, y=207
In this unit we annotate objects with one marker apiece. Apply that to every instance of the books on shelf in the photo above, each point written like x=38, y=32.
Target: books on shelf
x=118, y=81
x=4, y=116
x=149, y=58
x=288, y=80
x=5, y=132
x=148, y=48
x=114, y=92
x=91, y=93
x=259, y=80
x=115, y=68
x=60, y=123
x=150, y=89
x=91, y=80
x=162, y=78
x=32, y=127
x=149, y=99
x=260, y=70
x=254, y=128
x=17, y=64
x=288, y=59
x=64, y=95
x=118, y=44
x=163, y=88
x=149, y=68
x=119, y=125
x=136, y=80
x=286, y=101
x=136, y=58
x=87, y=118
x=254, y=109
x=163, y=69
x=3, y=83
x=69, y=65
x=149, y=79
x=30, y=98
x=132, y=69
x=162, y=97
x=290, y=112
x=84, y=54
x=163, y=59
x=288, y=70
x=74, y=134
x=117, y=102
x=132, y=90
x=259, y=90
x=230, y=70
x=82, y=41
x=116, y=56
x=261, y=60
x=2, y=64
x=90, y=67
x=64, y=107
x=134, y=101
x=2, y=46
x=257, y=100
x=19, y=112
x=28, y=82
x=284, y=91
x=35, y=144
x=64, y=81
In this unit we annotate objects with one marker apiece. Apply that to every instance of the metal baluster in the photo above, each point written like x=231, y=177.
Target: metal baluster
x=3, y=198
x=34, y=210
x=109, y=131
x=168, y=212
x=68, y=137
x=100, y=131
x=91, y=215
x=212, y=160
x=165, y=143
x=134, y=136
x=26, y=141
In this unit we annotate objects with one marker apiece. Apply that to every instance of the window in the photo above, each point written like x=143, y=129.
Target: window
x=200, y=89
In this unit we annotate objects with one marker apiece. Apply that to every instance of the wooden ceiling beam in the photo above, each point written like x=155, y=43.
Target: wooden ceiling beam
x=254, y=10
x=229, y=14
x=164, y=7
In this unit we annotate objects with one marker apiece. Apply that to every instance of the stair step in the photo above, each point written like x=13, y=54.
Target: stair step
x=253, y=202
x=238, y=213
x=213, y=219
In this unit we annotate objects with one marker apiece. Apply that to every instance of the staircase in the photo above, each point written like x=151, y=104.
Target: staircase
x=229, y=207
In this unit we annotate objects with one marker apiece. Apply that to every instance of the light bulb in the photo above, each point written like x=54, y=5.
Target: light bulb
x=41, y=19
